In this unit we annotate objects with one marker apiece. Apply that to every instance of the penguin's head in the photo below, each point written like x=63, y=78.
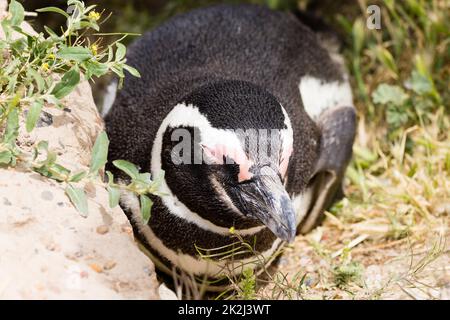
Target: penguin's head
x=225, y=150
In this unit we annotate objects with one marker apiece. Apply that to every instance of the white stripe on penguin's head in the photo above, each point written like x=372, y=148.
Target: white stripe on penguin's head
x=287, y=149
x=183, y=115
x=216, y=142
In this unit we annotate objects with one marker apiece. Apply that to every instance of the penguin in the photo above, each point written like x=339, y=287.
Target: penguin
x=252, y=123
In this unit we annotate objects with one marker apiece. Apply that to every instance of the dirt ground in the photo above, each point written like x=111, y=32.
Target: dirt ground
x=313, y=268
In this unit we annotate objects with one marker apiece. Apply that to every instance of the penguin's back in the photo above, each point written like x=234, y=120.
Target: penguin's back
x=242, y=42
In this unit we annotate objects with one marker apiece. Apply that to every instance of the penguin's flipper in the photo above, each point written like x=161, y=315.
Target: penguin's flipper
x=338, y=127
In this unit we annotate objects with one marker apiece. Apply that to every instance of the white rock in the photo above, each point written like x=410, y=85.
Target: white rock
x=165, y=293
x=48, y=251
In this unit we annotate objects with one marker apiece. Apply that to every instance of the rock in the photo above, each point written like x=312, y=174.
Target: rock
x=51, y=252
x=47, y=249
x=166, y=294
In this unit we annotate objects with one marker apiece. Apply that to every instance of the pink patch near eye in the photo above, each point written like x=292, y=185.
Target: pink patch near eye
x=284, y=163
x=217, y=153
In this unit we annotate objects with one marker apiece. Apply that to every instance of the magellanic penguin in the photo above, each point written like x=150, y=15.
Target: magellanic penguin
x=212, y=78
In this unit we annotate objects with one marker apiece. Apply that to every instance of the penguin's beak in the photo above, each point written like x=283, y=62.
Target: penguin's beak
x=266, y=199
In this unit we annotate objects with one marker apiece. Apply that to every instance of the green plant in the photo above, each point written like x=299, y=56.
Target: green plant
x=28, y=60
x=247, y=284
x=38, y=69
x=401, y=71
x=347, y=272
x=406, y=107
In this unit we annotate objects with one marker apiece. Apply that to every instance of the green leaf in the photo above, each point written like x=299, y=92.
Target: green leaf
x=95, y=68
x=110, y=177
x=358, y=35
x=42, y=170
x=51, y=158
x=19, y=45
x=5, y=157
x=114, y=196
x=78, y=198
x=364, y=156
x=52, y=33
x=395, y=117
x=3, y=45
x=421, y=65
x=6, y=26
x=58, y=172
x=12, y=83
x=345, y=23
x=99, y=153
x=33, y=115
x=78, y=54
x=37, y=78
x=31, y=73
x=89, y=24
x=127, y=167
x=157, y=181
x=420, y=84
x=78, y=176
x=12, y=127
x=17, y=13
x=386, y=59
x=133, y=71
x=144, y=178
x=146, y=206
x=54, y=9
x=89, y=8
x=386, y=93
x=118, y=70
x=110, y=54
x=42, y=146
x=12, y=67
x=67, y=83
x=120, y=52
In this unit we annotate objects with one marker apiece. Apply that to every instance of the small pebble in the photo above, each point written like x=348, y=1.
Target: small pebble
x=51, y=246
x=310, y=281
x=45, y=120
x=102, y=229
x=127, y=229
x=109, y=265
x=96, y=267
x=6, y=202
